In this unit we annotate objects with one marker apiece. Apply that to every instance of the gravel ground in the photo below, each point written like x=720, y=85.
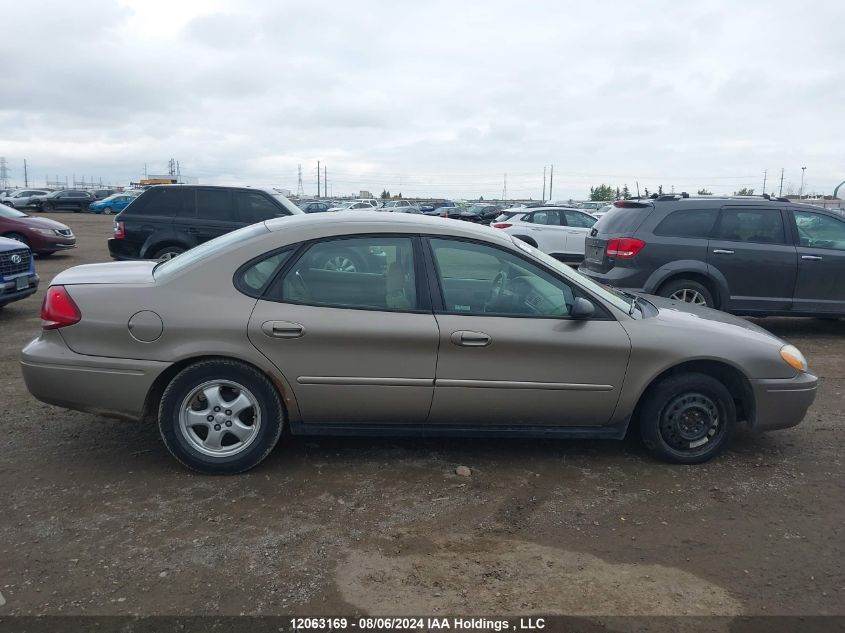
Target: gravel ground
x=99, y=519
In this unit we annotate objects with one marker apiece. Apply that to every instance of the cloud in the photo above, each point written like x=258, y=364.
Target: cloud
x=433, y=97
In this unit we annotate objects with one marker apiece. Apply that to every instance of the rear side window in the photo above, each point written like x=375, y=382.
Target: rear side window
x=761, y=226
x=215, y=204
x=620, y=221
x=165, y=202
x=548, y=218
x=582, y=220
x=254, y=207
x=255, y=278
x=688, y=223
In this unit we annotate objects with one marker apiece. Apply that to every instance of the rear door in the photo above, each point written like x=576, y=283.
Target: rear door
x=544, y=227
x=255, y=206
x=820, y=240
x=215, y=214
x=750, y=249
x=578, y=225
x=150, y=216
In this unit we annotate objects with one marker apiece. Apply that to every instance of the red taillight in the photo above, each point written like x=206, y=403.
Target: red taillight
x=58, y=309
x=624, y=247
x=119, y=231
x=502, y=225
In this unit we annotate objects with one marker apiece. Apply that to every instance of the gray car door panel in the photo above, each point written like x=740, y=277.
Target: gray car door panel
x=351, y=366
x=522, y=371
x=821, y=262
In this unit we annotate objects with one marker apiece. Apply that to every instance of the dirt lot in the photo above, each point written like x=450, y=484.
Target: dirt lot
x=97, y=518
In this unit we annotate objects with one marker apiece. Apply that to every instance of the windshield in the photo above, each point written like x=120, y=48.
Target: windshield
x=9, y=212
x=171, y=267
x=610, y=295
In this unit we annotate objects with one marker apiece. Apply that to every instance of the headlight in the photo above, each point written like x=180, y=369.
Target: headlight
x=793, y=357
x=47, y=232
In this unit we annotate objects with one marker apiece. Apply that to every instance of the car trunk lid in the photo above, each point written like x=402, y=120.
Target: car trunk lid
x=134, y=272
x=620, y=221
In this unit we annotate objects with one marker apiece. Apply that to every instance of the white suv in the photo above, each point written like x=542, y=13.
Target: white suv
x=22, y=197
x=558, y=231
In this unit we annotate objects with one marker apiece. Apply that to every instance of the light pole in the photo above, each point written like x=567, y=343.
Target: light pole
x=801, y=191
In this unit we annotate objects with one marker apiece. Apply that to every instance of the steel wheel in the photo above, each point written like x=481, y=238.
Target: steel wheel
x=689, y=421
x=689, y=295
x=220, y=418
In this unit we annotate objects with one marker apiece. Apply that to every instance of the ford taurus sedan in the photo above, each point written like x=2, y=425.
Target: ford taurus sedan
x=456, y=329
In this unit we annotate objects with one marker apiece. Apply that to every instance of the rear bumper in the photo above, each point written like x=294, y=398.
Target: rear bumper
x=123, y=249
x=782, y=403
x=114, y=387
x=9, y=294
x=618, y=277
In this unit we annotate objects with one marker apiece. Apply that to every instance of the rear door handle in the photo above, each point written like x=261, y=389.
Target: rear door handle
x=467, y=338
x=722, y=251
x=283, y=329
x=812, y=258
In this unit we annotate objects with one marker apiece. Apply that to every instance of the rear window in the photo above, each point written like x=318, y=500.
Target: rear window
x=622, y=220
x=688, y=223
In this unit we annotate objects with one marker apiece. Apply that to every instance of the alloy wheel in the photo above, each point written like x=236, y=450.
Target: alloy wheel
x=220, y=418
x=689, y=295
x=340, y=263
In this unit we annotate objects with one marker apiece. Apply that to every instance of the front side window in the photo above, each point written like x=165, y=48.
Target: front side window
x=581, y=220
x=215, y=204
x=254, y=207
x=479, y=279
x=761, y=226
x=374, y=272
x=688, y=223
x=816, y=230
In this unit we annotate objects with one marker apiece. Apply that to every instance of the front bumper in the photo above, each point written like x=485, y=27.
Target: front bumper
x=114, y=387
x=8, y=292
x=782, y=403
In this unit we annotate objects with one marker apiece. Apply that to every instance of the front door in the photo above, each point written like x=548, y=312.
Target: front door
x=749, y=248
x=821, y=262
x=509, y=353
x=356, y=343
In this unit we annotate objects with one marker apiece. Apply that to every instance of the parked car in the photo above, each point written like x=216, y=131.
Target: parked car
x=167, y=220
x=602, y=210
x=101, y=194
x=371, y=202
x=393, y=205
x=478, y=213
x=65, y=200
x=745, y=255
x=114, y=203
x=22, y=198
x=558, y=231
x=353, y=206
x=437, y=208
x=314, y=206
x=465, y=331
x=42, y=235
x=18, y=279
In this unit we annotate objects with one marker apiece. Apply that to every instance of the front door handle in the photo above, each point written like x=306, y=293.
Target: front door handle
x=467, y=338
x=812, y=258
x=283, y=329
x=722, y=251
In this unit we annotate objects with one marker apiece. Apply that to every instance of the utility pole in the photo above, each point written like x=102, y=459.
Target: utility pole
x=300, y=191
x=318, y=179
x=325, y=183
x=638, y=188
x=544, y=183
x=25, y=175
x=551, y=181
x=765, y=173
x=801, y=191
x=780, y=191
x=4, y=173
x=505, y=189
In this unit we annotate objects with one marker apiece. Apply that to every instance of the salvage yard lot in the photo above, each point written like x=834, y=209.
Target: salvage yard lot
x=99, y=519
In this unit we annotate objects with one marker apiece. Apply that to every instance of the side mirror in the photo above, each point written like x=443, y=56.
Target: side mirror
x=582, y=309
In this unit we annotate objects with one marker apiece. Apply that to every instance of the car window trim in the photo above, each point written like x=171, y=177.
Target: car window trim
x=439, y=306
x=423, y=295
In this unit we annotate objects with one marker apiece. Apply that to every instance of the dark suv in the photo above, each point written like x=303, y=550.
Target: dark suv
x=169, y=219
x=67, y=200
x=745, y=255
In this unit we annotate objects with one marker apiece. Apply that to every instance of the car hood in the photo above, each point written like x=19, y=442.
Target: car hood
x=41, y=223
x=707, y=320
x=140, y=272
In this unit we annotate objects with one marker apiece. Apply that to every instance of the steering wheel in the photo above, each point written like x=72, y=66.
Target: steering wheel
x=496, y=290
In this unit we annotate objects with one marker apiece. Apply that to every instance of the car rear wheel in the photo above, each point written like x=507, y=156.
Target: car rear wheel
x=687, y=419
x=168, y=252
x=107, y=210
x=220, y=417
x=688, y=291
x=18, y=238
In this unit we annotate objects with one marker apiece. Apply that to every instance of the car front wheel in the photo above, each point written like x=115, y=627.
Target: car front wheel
x=687, y=418
x=220, y=417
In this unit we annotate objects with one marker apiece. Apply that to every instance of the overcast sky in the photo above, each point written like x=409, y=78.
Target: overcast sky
x=428, y=97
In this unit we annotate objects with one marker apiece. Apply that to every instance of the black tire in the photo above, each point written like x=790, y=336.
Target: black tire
x=47, y=207
x=680, y=412
x=678, y=286
x=168, y=252
x=18, y=238
x=178, y=441
x=527, y=240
